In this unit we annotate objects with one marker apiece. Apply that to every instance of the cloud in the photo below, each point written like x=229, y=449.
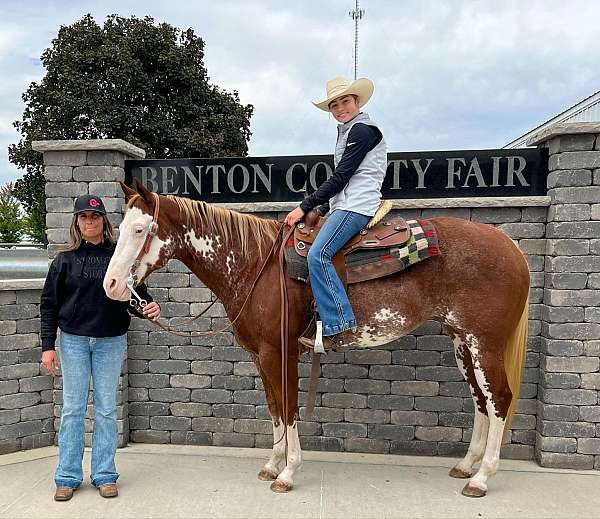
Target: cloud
x=448, y=74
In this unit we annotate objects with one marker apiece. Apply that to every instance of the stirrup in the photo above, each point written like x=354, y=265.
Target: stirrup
x=319, y=338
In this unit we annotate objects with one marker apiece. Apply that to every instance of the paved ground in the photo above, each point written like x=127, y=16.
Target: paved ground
x=178, y=481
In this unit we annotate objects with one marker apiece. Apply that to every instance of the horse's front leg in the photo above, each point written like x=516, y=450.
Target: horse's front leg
x=285, y=480
x=272, y=468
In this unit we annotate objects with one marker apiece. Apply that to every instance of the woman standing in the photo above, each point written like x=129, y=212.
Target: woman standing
x=352, y=196
x=93, y=343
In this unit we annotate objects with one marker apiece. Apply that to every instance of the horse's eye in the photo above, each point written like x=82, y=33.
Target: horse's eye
x=139, y=230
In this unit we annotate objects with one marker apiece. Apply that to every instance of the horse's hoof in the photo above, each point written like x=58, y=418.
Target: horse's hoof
x=473, y=491
x=459, y=474
x=281, y=487
x=266, y=475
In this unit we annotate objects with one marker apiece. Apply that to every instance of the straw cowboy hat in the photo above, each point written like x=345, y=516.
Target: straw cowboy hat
x=339, y=86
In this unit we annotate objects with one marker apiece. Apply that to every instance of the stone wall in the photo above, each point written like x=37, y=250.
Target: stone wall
x=408, y=397
x=568, y=431
x=26, y=395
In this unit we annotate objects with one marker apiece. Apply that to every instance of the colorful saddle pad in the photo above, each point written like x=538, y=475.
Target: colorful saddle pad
x=365, y=264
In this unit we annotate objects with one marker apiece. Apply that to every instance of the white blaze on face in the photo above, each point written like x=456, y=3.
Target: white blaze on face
x=132, y=233
x=203, y=244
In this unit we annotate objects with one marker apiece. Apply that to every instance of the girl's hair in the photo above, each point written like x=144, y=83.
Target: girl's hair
x=75, y=236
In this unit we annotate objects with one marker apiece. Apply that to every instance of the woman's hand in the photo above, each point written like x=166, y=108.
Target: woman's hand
x=294, y=216
x=50, y=361
x=152, y=311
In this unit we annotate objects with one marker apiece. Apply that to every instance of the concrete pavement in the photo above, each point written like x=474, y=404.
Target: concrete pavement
x=183, y=481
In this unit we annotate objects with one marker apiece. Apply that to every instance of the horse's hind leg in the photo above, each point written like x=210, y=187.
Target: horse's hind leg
x=491, y=378
x=464, y=469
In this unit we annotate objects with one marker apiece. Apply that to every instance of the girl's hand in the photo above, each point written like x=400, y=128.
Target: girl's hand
x=50, y=361
x=294, y=216
x=152, y=311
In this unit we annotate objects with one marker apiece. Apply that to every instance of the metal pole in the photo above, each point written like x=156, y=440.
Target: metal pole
x=356, y=15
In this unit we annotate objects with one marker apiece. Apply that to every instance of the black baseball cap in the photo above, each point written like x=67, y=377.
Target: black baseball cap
x=89, y=203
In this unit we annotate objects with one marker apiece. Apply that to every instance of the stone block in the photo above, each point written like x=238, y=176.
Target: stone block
x=571, y=364
x=567, y=429
x=65, y=158
x=379, y=387
x=345, y=430
x=439, y=373
x=27, y=385
x=344, y=400
x=233, y=439
x=416, y=357
x=399, y=402
x=565, y=461
x=460, y=389
x=524, y=230
x=367, y=445
x=414, y=448
x=58, y=173
x=211, y=367
x=561, y=380
x=567, y=247
x=392, y=373
x=569, y=178
x=563, y=413
x=438, y=403
x=148, y=352
x=18, y=371
x=212, y=396
x=585, y=230
x=106, y=158
x=190, y=381
x=97, y=173
x=438, y=434
x=60, y=236
x=234, y=410
x=415, y=388
x=102, y=189
x=589, y=413
x=149, y=380
x=169, y=394
x=414, y=418
x=367, y=416
x=574, y=160
x=169, y=366
x=391, y=432
x=253, y=426
x=248, y=396
x=190, y=295
x=66, y=189
x=368, y=357
x=590, y=380
x=583, y=331
x=323, y=414
x=150, y=437
x=496, y=215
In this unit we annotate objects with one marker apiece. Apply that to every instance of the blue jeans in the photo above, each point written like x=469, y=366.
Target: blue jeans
x=332, y=302
x=80, y=358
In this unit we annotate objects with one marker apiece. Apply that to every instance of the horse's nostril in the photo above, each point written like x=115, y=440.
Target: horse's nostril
x=112, y=283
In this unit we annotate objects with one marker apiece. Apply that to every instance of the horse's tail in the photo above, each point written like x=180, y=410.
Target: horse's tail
x=514, y=359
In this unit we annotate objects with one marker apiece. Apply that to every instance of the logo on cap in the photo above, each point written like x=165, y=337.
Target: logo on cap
x=94, y=202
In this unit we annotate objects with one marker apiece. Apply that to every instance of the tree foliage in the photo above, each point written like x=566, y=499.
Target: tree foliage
x=11, y=226
x=130, y=79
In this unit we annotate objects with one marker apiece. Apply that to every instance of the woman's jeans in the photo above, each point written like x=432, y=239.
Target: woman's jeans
x=332, y=302
x=82, y=357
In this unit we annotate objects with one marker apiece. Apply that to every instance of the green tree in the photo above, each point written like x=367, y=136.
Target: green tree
x=130, y=79
x=11, y=227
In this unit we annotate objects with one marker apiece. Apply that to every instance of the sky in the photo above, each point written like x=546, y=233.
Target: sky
x=448, y=74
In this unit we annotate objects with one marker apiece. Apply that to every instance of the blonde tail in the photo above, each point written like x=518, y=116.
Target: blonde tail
x=514, y=359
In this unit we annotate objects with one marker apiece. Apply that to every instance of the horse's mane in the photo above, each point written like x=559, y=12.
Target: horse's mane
x=227, y=223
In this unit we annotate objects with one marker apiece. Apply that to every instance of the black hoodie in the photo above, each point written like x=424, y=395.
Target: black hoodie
x=74, y=300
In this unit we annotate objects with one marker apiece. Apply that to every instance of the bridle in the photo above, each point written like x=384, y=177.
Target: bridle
x=152, y=231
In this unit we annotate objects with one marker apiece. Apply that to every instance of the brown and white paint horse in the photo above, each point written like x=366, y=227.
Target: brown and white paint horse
x=477, y=288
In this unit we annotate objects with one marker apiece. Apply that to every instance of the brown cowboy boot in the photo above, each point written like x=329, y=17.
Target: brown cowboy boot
x=108, y=490
x=63, y=493
x=330, y=342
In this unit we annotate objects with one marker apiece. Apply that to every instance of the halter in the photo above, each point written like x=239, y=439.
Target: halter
x=152, y=231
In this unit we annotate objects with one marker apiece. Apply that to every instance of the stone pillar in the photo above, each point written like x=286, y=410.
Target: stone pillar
x=74, y=168
x=568, y=428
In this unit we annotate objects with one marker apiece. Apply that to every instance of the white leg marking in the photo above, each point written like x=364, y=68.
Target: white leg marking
x=278, y=456
x=480, y=423
x=491, y=458
x=294, y=457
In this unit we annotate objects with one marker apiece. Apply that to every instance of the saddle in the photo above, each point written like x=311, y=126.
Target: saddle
x=384, y=235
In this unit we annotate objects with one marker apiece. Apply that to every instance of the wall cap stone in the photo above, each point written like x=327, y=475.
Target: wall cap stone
x=22, y=284
x=562, y=129
x=90, y=145
x=408, y=203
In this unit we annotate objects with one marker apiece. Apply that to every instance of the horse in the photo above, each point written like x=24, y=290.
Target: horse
x=477, y=287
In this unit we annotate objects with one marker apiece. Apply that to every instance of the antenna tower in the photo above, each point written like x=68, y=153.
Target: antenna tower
x=356, y=15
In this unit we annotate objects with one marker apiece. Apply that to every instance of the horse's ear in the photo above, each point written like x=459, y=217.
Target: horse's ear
x=144, y=192
x=127, y=190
